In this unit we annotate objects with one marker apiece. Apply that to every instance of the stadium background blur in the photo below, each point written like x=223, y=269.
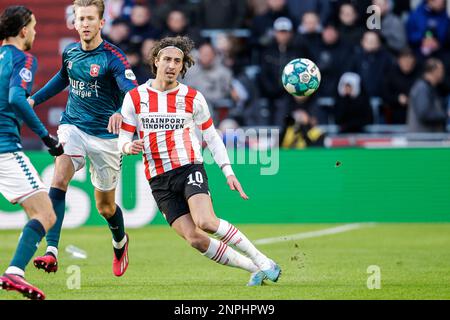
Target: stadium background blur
x=240, y=73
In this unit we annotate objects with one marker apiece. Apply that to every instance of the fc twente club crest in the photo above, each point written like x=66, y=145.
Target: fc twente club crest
x=95, y=69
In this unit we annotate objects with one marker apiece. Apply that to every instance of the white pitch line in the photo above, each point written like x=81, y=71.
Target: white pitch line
x=315, y=234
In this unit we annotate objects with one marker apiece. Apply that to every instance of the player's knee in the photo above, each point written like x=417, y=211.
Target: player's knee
x=60, y=181
x=208, y=225
x=107, y=210
x=198, y=242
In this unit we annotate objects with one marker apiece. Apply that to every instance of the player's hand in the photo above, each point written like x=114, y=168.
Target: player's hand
x=55, y=148
x=115, y=121
x=234, y=184
x=31, y=102
x=134, y=147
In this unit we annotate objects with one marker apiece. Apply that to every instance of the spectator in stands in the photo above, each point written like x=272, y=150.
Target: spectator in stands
x=262, y=25
x=397, y=85
x=212, y=79
x=222, y=14
x=372, y=62
x=360, y=7
x=177, y=25
x=146, y=49
x=162, y=9
x=119, y=33
x=309, y=33
x=348, y=26
x=426, y=112
x=274, y=59
x=428, y=28
x=330, y=50
x=232, y=52
x=301, y=132
x=392, y=28
x=141, y=71
x=353, y=110
x=320, y=7
x=141, y=26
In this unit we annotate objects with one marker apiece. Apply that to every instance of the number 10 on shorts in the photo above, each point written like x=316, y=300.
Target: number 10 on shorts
x=195, y=179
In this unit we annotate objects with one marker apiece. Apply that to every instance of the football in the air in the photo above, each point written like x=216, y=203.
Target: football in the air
x=301, y=77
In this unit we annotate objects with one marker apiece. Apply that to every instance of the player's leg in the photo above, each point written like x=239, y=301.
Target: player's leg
x=204, y=217
x=209, y=247
x=20, y=183
x=63, y=174
x=106, y=163
x=106, y=206
x=66, y=165
x=42, y=217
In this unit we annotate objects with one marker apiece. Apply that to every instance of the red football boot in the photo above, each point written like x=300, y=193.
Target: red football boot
x=18, y=283
x=121, y=265
x=48, y=262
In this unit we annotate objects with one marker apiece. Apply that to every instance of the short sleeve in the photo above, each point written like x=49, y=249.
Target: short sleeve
x=202, y=116
x=23, y=72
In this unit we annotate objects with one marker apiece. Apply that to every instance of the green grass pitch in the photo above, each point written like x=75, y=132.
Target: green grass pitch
x=414, y=262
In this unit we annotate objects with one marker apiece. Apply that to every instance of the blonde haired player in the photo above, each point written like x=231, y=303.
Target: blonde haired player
x=165, y=113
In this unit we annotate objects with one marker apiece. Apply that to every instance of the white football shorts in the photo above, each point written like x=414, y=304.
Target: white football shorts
x=103, y=154
x=19, y=180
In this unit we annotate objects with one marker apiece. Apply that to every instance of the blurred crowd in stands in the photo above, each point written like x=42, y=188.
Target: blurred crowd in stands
x=382, y=61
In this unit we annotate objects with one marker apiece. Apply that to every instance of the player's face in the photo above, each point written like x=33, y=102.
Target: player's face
x=30, y=33
x=88, y=22
x=169, y=64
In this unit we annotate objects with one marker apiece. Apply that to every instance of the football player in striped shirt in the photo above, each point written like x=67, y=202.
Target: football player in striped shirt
x=98, y=76
x=19, y=181
x=164, y=113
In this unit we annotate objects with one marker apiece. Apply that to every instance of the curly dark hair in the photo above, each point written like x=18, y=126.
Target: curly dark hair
x=185, y=44
x=12, y=20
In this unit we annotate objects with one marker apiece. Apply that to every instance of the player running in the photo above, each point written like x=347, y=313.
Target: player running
x=165, y=113
x=19, y=181
x=98, y=76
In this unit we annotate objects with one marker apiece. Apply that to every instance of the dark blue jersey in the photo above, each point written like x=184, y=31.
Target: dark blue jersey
x=17, y=69
x=98, y=81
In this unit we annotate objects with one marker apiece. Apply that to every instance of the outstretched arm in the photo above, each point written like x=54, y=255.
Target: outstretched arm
x=219, y=152
x=57, y=84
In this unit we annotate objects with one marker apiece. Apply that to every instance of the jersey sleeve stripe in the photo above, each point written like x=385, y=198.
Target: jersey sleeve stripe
x=190, y=100
x=121, y=58
x=207, y=124
x=128, y=127
x=136, y=100
x=28, y=64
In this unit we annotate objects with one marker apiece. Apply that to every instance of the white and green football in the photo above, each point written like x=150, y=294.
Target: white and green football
x=301, y=77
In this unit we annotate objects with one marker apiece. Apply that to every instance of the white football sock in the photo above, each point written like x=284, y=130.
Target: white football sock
x=15, y=270
x=223, y=254
x=53, y=250
x=121, y=244
x=230, y=235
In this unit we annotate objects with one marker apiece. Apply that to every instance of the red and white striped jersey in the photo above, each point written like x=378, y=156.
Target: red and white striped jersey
x=166, y=121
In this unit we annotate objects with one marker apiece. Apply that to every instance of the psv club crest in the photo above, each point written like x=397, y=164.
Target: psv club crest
x=95, y=69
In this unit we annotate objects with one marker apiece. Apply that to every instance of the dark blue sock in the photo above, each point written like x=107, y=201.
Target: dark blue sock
x=116, y=225
x=32, y=234
x=58, y=198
